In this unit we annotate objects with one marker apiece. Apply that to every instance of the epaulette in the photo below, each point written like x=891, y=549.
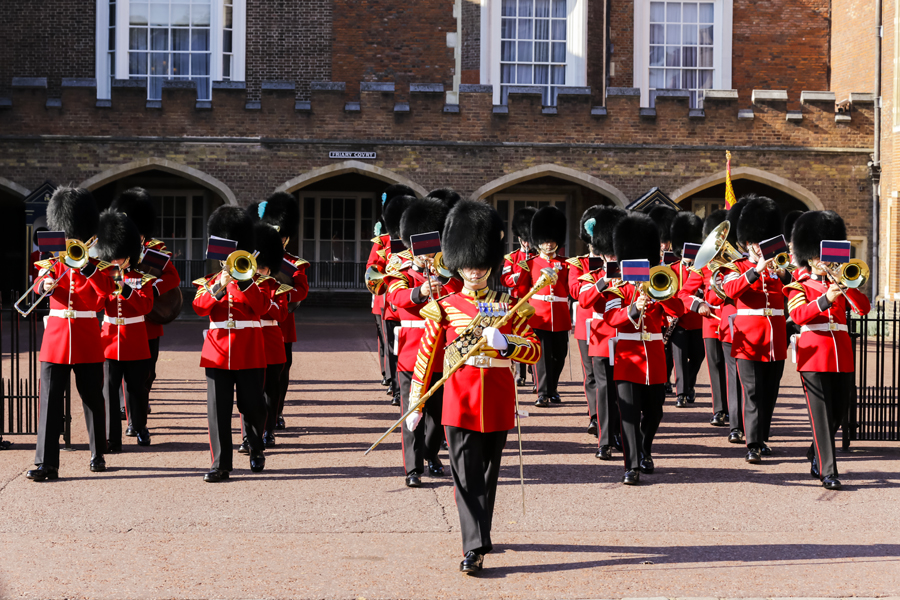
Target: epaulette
x=155, y=242
x=283, y=289
x=575, y=261
x=432, y=311
x=102, y=265
x=376, y=240
x=524, y=265
x=201, y=281
x=262, y=278
x=697, y=271
x=587, y=277
x=45, y=264
x=381, y=253
x=147, y=279
x=795, y=286
x=615, y=289
x=526, y=311
x=300, y=262
x=508, y=257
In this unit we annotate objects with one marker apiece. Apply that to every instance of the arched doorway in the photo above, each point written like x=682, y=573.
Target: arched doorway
x=16, y=248
x=712, y=198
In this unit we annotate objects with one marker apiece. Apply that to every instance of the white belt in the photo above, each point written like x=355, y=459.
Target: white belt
x=122, y=320
x=488, y=362
x=72, y=314
x=268, y=323
x=597, y=316
x=760, y=312
x=824, y=327
x=550, y=298
x=640, y=337
x=233, y=324
x=413, y=324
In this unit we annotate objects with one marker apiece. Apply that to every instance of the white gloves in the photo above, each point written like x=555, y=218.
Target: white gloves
x=495, y=339
x=412, y=421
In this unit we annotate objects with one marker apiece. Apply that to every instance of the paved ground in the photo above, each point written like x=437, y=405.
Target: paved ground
x=323, y=521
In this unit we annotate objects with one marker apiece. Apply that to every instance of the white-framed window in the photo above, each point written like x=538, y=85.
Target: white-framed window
x=336, y=226
x=508, y=204
x=182, y=216
x=197, y=40
x=533, y=43
x=682, y=46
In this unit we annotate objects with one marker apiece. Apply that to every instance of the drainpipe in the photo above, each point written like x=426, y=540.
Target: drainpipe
x=875, y=164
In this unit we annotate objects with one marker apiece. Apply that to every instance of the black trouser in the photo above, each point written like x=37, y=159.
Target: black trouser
x=734, y=393
x=134, y=373
x=554, y=347
x=715, y=364
x=641, y=410
x=380, y=345
x=475, y=465
x=54, y=381
x=759, y=382
x=670, y=361
x=768, y=424
x=590, y=379
x=522, y=370
x=390, y=336
x=606, y=401
x=220, y=392
x=425, y=442
x=284, y=378
x=272, y=392
x=687, y=353
x=151, y=377
x=827, y=398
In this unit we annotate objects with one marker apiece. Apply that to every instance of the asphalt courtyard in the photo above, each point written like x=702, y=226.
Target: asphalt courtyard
x=325, y=521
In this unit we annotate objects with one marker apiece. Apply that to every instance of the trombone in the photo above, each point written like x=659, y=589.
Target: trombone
x=240, y=266
x=75, y=256
x=662, y=285
x=849, y=275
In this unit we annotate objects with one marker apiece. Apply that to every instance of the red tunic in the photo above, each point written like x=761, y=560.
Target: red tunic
x=758, y=325
x=476, y=398
x=581, y=314
x=640, y=354
x=725, y=308
x=593, y=298
x=694, y=295
x=240, y=346
x=512, y=267
x=169, y=279
x=298, y=294
x=380, y=257
x=124, y=334
x=551, y=304
x=824, y=342
x=690, y=320
x=272, y=320
x=75, y=340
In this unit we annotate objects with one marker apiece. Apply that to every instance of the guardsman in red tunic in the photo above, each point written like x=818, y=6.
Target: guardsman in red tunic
x=639, y=356
x=124, y=334
x=592, y=297
x=551, y=321
x=234, y=353
x=758, y=325
x=823, y=350
x=663, y=216
x=514, y=261
x=71, y=341
x=480, y=398
x=36, y=256
x=376, y=265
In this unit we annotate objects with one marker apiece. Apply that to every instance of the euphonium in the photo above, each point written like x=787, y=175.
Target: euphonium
x=663, y=284
x=440, y=267
x=716, y=250
x=241, y=265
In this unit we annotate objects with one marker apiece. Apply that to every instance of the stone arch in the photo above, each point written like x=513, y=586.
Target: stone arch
x=349, y=166
x=161, y=164
x=780, y=183
x=13, y=188
x=579, y=177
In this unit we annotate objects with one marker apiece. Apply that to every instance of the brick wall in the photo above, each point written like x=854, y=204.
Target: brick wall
x=852, y=47
x=471, y=42
x=621, y=37
x=596, y=67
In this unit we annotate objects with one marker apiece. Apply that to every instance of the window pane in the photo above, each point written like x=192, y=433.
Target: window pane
x=673, y=56
x=349, y=230
x=181, y=40
x=673, y=12
x=181, y=14
x=706, y=80
x=657, y=12
x=542, y=30
x=541, y=74
x=657, y=78
x=508, y=51
x=226, y=41
x=559, y=52
x=112, y=15
x=689, y=77
x=525, y=29
x=673, y=79
x=657, y=56
x=229, y=17
x=200, y=40
x=159, y=39
x=689, y=56
x=308, y=229
x=197, y=227
x=706, y=57
x=181, y=63
x=689, y=33
x=199, y=64
x=673, y=34
x=508, y=29
x=706, y=35
x=542, y=8
x=200, y=14
x=137, y=63
x=159, y=63
x=657, y=34
x=706, y=12
x=559, y=75
x=525, y=51
x=689, y=13
x=523, y=74
x=159, y=14
x=325, y=208
x=559, y=30
x=525, y=8
x=138, y=13
x=137, y=39
x=541, y=52
x=507, y=74
x=366, y=210
x=509, y=8
x=559, y=9
x=338, y=212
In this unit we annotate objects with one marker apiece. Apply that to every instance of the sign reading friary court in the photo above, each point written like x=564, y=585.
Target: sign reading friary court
x=345, y=155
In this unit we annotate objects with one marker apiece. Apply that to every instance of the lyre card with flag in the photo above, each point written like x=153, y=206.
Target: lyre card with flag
x=690, y=251
x=669, y=258
x=772, y=247
x=493, y=309
x=636, y=270
x=834, y=251
x=219, y=248
x=613, y=271
x=288, y=267
x=154, y=259
x=397, y=246
x=51, y=241
x=425, y=243
x=595, y=263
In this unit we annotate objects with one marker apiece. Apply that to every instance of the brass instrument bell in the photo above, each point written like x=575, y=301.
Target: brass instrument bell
x=241, y=265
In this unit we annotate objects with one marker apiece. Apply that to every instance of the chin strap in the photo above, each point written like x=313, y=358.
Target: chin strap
x=481, y=279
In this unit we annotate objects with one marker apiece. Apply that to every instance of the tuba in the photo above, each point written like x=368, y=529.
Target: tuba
x=716, y=252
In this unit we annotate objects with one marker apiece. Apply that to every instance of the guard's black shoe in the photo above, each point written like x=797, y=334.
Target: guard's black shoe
x=765, y=450
x=389, y=391
x=215, y=476
x=727, y=418
x=533, y=389
x=669, y=389
x=472, y=563
x=395, y=401
x=113, y=447
x=542, y=401
x=592, y=427
x=435, y=468
x=647, y=465
x=244, y=448
x=831, y=483
x=753, y=456
x=444, y=445
x=279, y=423
x=130, y=431
x=385, y=381
x=257, y=463
x=520, y=381
x=718, y=419
x=681, y=401
x=98, y=465
x=691, y=397
x=814, y=468
x=555, y=399
x=143, y=437
x=631, y=477
x=617, y=442
x=412, y=480
x=123, y=415
x=735, y=437
x=268, y=439
x=42, y=473
x=604, y=453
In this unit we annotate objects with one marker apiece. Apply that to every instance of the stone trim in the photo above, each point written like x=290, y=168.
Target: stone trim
x=29, y=82
x=350, y=166
x=473, y=88
x=377, y=86
x=426, y=88
x=327, y=86
x=13, y=187
x=780, y=183
x=758, y=96
x=273, y=85
x=567, y=173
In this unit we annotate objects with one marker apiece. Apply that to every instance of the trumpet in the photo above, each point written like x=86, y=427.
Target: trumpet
x=849, y=275
x=783, y=261
x=75, y=256
x=663, y=284
x=240, y=265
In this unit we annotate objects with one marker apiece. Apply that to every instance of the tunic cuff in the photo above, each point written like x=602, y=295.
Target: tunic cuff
x=823, y=303
x=634, y=313
x=752, y=276
x=601, y=285
x=126, y=291
x=417, y=296
x=88, y=270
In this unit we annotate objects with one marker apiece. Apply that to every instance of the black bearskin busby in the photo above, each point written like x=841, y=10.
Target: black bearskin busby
x=713, y=220
x=590, y=213
x=392, y=191
x=810, y=229
x=136, y=203
x=521, y=223
x=733, y=216
x=788, y=225
x=422, y=216
x=393, y=212
x=267, y=241
x=760, y=220
x=232, y=223
x=548, y=225
x=74, y=211
x=446, y=195
x=34, y=236
x=280, y=210
x=473, y=237
x=636, y=237
x=687, y=228
x=118, y=237
x=606, y=219
x=663, y=216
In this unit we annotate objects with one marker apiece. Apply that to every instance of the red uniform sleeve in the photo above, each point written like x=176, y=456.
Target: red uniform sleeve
x=253, y=297
x=301, y=284
x=169, y=280
x=688, y=292
x=278, y=304
x=860, y=300
x=204, y=302
x=102, y=283
x=737, y=283
x=674, y=306
x=510, y=274
x=140, y=299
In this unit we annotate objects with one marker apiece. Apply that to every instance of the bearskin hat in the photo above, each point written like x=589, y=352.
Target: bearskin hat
x=686, y=228
x=788, y=225
x=136, y=203
x=810, y=229
x=393, y=212
x=635, y=237
x=548, y=225
x=392, y=191
x=74, y=211
x=445, y=195
x=733, y=216
x=605, y=221
x=521, y=223
x=118, y=237
x=422, y=216
x=760, y=220
x=280, y=210
x=34, y=236
x=663, y=216
x=267, y=241
x=473, y=237
x=590, y=213
x=713, y=220
x=232, y=223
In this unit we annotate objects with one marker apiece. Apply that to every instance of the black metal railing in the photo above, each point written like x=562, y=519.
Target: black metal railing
x=189, y=270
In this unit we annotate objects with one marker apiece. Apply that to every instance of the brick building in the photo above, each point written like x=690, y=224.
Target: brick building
x=569, y=102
